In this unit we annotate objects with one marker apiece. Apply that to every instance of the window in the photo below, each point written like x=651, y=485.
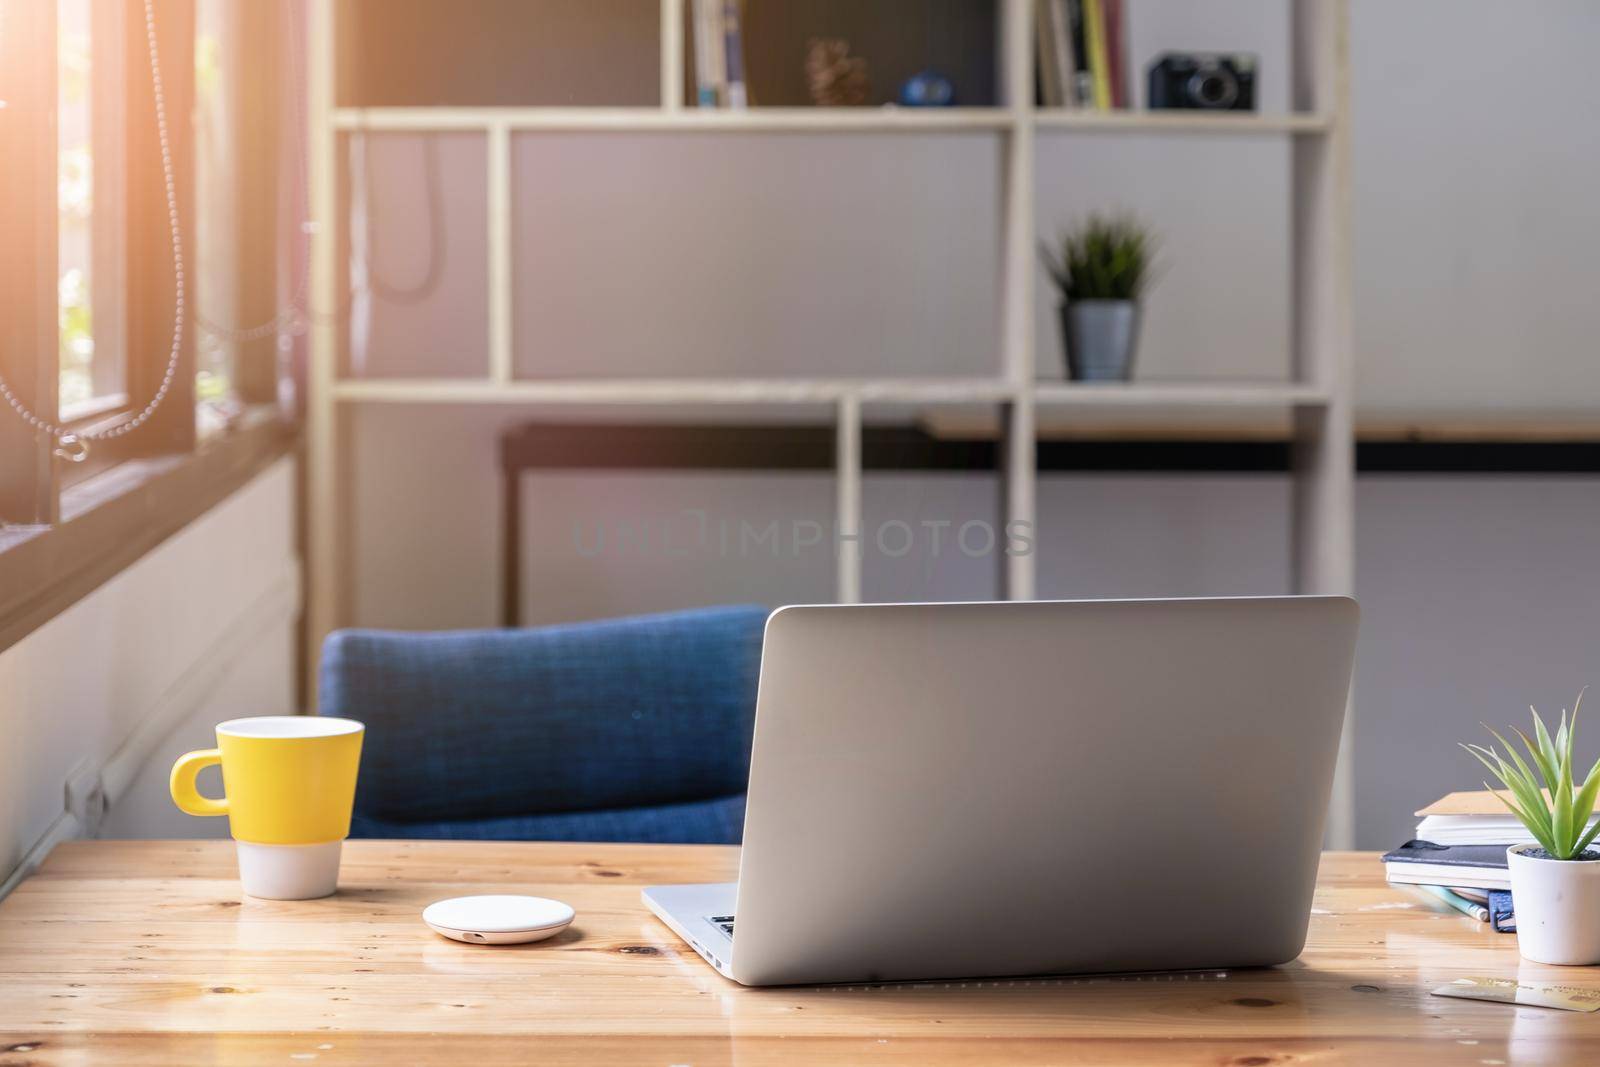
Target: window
x=90, y=251
x=87, y=287
x=216, y=203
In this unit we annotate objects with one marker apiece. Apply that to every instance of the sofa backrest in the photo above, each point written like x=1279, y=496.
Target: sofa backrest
x=582, y=717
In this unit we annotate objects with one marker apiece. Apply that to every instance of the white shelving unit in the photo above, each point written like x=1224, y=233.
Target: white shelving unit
x=1319, y=399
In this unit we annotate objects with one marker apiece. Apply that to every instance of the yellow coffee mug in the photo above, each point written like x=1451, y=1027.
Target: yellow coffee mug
x=289, y=783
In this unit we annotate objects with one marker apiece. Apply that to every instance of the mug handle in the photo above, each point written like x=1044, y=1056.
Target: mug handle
x=185, y=794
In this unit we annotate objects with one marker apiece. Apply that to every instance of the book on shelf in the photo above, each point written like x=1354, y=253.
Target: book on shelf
x=1116, y=51
x=734, y=92
x=1064, y=51
x=1077, y=54
x=1094, y=33
x=1051, y=89
x=1082, y=51
x=709, y=53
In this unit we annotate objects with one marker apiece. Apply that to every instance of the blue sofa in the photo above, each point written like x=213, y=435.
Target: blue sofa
x=633, y=729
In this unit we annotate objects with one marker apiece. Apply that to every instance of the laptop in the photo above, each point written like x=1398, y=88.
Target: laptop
x=1008, y=789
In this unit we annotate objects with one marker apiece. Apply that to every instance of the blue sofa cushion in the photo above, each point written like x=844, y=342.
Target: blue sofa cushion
x=710, y=822
x=594, y=717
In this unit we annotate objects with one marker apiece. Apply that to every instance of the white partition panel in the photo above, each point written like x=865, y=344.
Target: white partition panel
x=786, y=255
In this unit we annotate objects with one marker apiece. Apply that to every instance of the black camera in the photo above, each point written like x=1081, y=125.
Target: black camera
x=1209, y=81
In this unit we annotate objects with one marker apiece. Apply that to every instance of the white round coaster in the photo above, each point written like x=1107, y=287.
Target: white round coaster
x=498, y=920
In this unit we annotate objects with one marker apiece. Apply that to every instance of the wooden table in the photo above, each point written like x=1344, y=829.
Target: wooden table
x=146, y=953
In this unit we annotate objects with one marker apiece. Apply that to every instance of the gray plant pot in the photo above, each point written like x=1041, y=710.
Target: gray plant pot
x=1101, y=336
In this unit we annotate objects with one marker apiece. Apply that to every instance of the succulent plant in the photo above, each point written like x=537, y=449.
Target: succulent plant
x=1558, y=815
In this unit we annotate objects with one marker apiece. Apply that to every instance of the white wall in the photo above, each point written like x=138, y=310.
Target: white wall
x=197, y=631
x=1476, y=156
x=1480, y=597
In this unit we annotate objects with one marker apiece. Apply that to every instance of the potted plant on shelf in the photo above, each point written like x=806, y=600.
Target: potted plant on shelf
x=1555, y=885
x=1101, y=267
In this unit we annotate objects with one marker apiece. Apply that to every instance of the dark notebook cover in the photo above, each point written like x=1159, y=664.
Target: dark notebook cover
x=1449, y=855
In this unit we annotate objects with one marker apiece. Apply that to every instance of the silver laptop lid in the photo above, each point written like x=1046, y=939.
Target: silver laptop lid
x=944, y=790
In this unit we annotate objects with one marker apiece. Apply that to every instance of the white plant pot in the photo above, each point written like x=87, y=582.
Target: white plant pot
x=1557, y=905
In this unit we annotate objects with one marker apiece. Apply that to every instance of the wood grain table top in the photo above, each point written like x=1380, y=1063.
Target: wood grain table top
x=133, y=952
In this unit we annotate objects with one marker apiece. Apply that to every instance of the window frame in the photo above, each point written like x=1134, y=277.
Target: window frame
x=28, y=328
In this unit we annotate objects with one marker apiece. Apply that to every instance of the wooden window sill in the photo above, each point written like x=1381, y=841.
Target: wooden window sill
x=111, y=520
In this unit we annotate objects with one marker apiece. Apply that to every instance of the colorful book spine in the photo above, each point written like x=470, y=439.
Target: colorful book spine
x=708, y=58
x=736, y=95
x=1049, y=73
x=704, y=88
x=1077, y=55
x=1117, y=51
x=1066, y=65
x=1094, y=34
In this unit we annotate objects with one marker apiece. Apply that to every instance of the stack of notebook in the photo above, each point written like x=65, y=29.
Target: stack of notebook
x=1459, y=855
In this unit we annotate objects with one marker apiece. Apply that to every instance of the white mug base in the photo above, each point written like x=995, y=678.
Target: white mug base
x=289, y=872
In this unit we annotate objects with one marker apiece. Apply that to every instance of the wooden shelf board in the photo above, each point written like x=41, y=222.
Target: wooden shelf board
x=1180, y=121
x=1268, y=423
x=648, y=119
x=818, y=120
x=827, y=390
x=1117, y=423
x=1178, y=394
x=679, y=391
